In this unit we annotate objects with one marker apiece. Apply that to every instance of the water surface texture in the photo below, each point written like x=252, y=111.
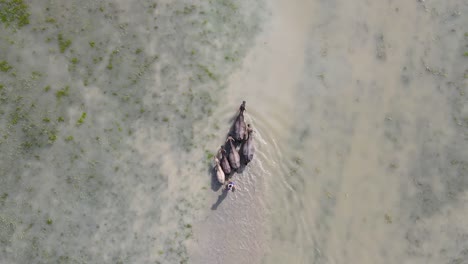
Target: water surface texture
x=111, y=112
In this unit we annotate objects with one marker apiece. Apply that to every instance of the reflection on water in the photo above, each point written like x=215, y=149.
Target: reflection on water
x=111, y=112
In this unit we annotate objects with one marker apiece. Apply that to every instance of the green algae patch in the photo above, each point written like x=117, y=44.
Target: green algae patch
x=52, y=137
x=208, y=155
x=50, y=20
x=35, y=75
x=3, y=198
x=63, y=43
x=82, y=119
x=4, y=66
x=109, y=65
x=62, y=92
x=208, y=72
x=111, y=58
x=14, y=12
x=16, y=116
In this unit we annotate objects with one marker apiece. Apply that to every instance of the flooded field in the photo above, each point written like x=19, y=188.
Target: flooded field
x=111, y=112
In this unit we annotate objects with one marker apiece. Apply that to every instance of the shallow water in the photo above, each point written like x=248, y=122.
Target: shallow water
x=112, y=110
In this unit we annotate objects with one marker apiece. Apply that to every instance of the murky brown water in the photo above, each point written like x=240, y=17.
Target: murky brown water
x=359, y=108
x=111, y=111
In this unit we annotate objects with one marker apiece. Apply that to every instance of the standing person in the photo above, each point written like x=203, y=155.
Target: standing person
x=231, y=186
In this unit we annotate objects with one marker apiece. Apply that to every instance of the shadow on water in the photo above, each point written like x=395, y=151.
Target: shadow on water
x=221, y=198
x=215, y=185
x=242, y=167
x=243, y=162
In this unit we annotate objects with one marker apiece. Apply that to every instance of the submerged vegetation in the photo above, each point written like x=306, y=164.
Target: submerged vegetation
x=14, y=12
x=63, y=43
x=81, y=119
x=62, y=92
x=4, y=66
x=123, y=83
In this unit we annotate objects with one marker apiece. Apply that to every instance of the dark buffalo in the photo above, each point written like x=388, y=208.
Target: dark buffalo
x=224, y=162
x=233, y=155
x=248, y=149
x=239, y=130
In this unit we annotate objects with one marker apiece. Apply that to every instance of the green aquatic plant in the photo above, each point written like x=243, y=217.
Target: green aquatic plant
x=229, y=4
x=92, y=44
x=52, y=136
x=69, y=138
x=64, y=44
x=110, y=66
x=47, y=88
x=208, y=72
x=35, y=75
x=74, y=60
x=14, y=12
x=49, y=221
x=3, y=198
x=208, y=155
x=4, y=66
x=82, y=119
x=229, y=58
x=189, y=9
x=16, y=116
x=62, y=92
x=50, y=20
x=97, y=59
